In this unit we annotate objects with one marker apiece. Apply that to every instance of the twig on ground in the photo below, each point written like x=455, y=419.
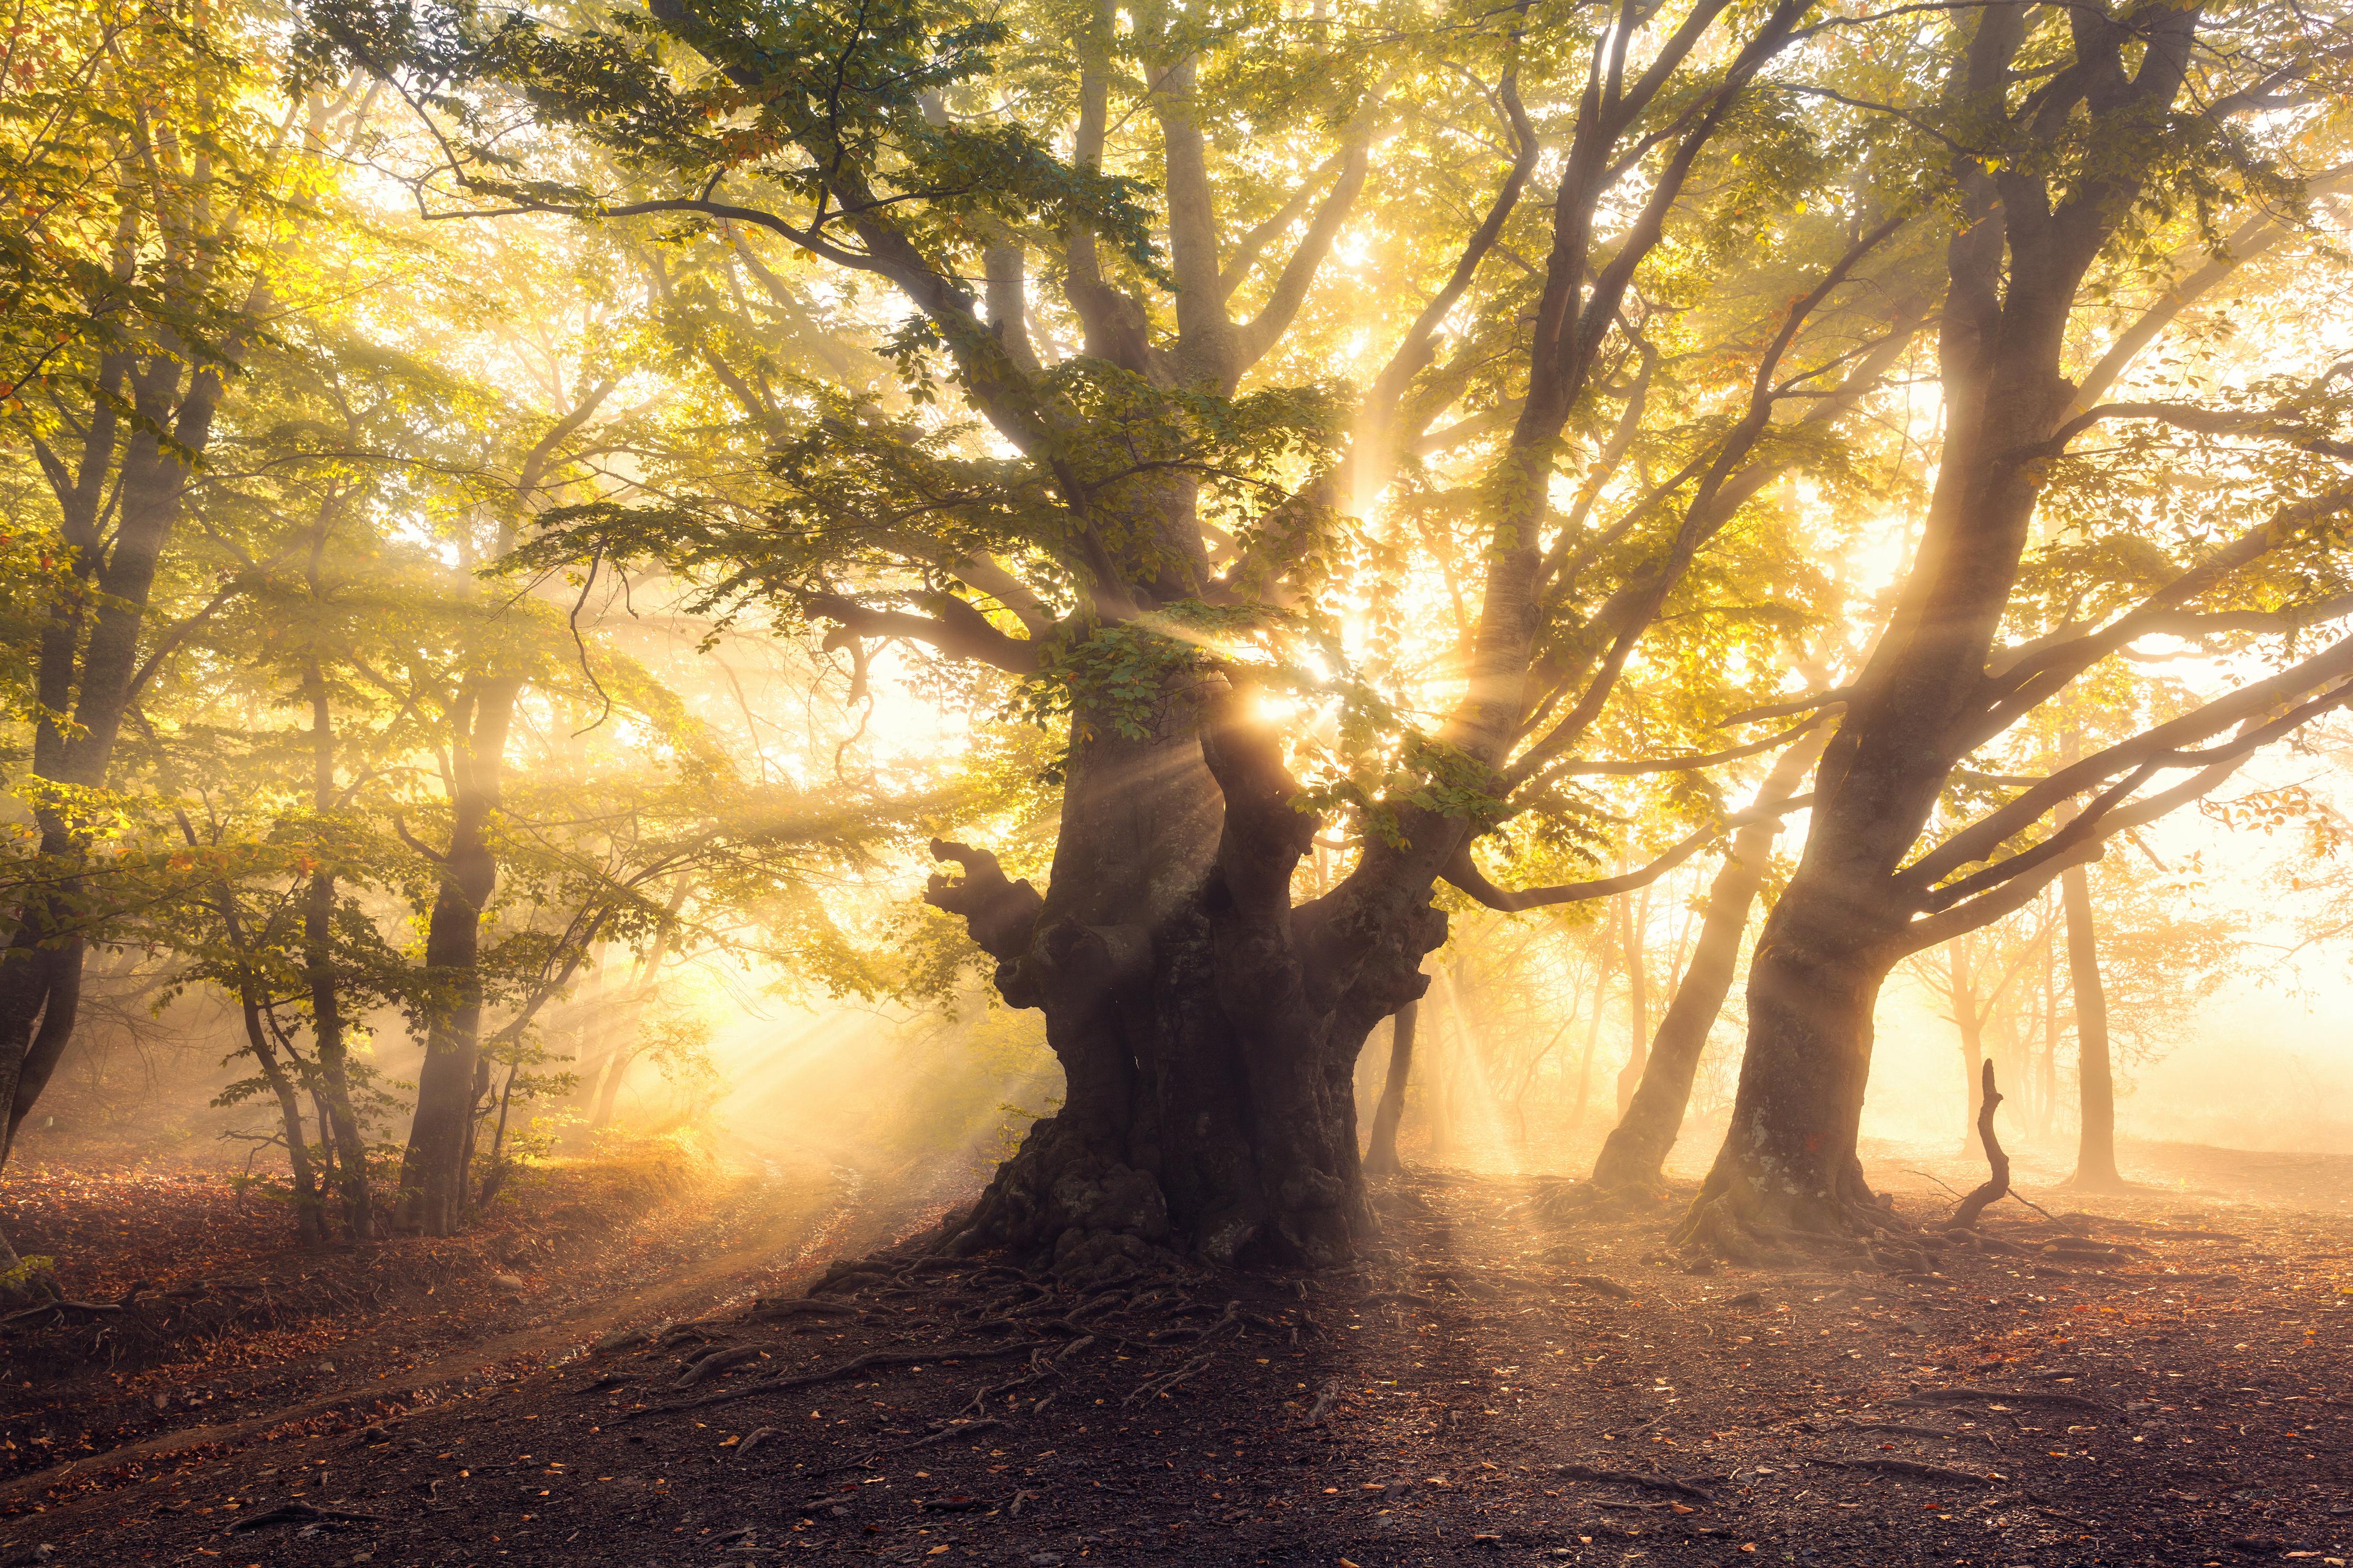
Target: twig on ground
x=2003, y=1396
x=300, y=1513
x=1162, y=1385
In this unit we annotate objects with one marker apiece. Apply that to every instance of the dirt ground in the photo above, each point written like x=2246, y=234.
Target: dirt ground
x=2161, y=1377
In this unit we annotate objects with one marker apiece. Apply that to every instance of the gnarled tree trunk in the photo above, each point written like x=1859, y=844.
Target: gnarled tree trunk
x=1208, y=1058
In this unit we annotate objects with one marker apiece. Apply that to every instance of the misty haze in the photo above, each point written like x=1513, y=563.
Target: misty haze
x=1288, y=783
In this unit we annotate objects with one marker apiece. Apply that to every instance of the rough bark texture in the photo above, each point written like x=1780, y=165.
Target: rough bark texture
x=1788, y=1161
x=2096, y=1151
x=1208, y=1078
x=433, y=1176
x=1381, y=1150
x=1635, y=1153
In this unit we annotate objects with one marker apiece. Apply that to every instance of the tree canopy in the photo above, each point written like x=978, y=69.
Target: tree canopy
x=1240, y=487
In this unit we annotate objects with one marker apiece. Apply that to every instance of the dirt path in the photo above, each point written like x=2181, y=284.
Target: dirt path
x=766, y=1229
x=800, y=1228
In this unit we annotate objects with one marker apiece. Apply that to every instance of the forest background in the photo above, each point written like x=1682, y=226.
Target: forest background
x=496, y=625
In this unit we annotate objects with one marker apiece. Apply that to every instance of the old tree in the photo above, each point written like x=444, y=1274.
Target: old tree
x=1229, y=339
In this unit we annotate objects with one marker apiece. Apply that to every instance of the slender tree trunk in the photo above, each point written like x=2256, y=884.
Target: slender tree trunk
x=2047, y=1090
x=1636, y=1152
x=1601, y=971
x=330, y=1046
x=310, y=1217
x=2095, y=1154
x=495, y=1176
x=434, y=1183
x=1381, y=1155
x=1637, y=916
x=434, y=1188
x=1441, y=1062
x=1971, y=1025
x=608, y=1091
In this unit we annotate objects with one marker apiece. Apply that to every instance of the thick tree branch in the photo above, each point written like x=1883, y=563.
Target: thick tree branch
x=960, y=630
x=1264, y=835
x=1006, y=291
x=1573, y=767
x=1376, y=423
x=1001, y=914
x=1464, y=874
x=1255, y=337
x=2258, y=234
x=2164, y=745
x=1113, y=323
x=1808, y=704
x=985, y=572
x=1629, y=613
x=2018, y=891
x=2035, y=680
x=1247, y=249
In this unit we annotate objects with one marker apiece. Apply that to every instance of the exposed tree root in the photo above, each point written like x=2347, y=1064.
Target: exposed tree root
x=1905, y=1430
x=1633, y=1479
x=1162, y=1383
x=1914, y=1467
x=1758, y=1220
x=301, y=1513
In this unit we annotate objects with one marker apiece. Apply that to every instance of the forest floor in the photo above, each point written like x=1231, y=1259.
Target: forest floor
x=1512, y=1376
